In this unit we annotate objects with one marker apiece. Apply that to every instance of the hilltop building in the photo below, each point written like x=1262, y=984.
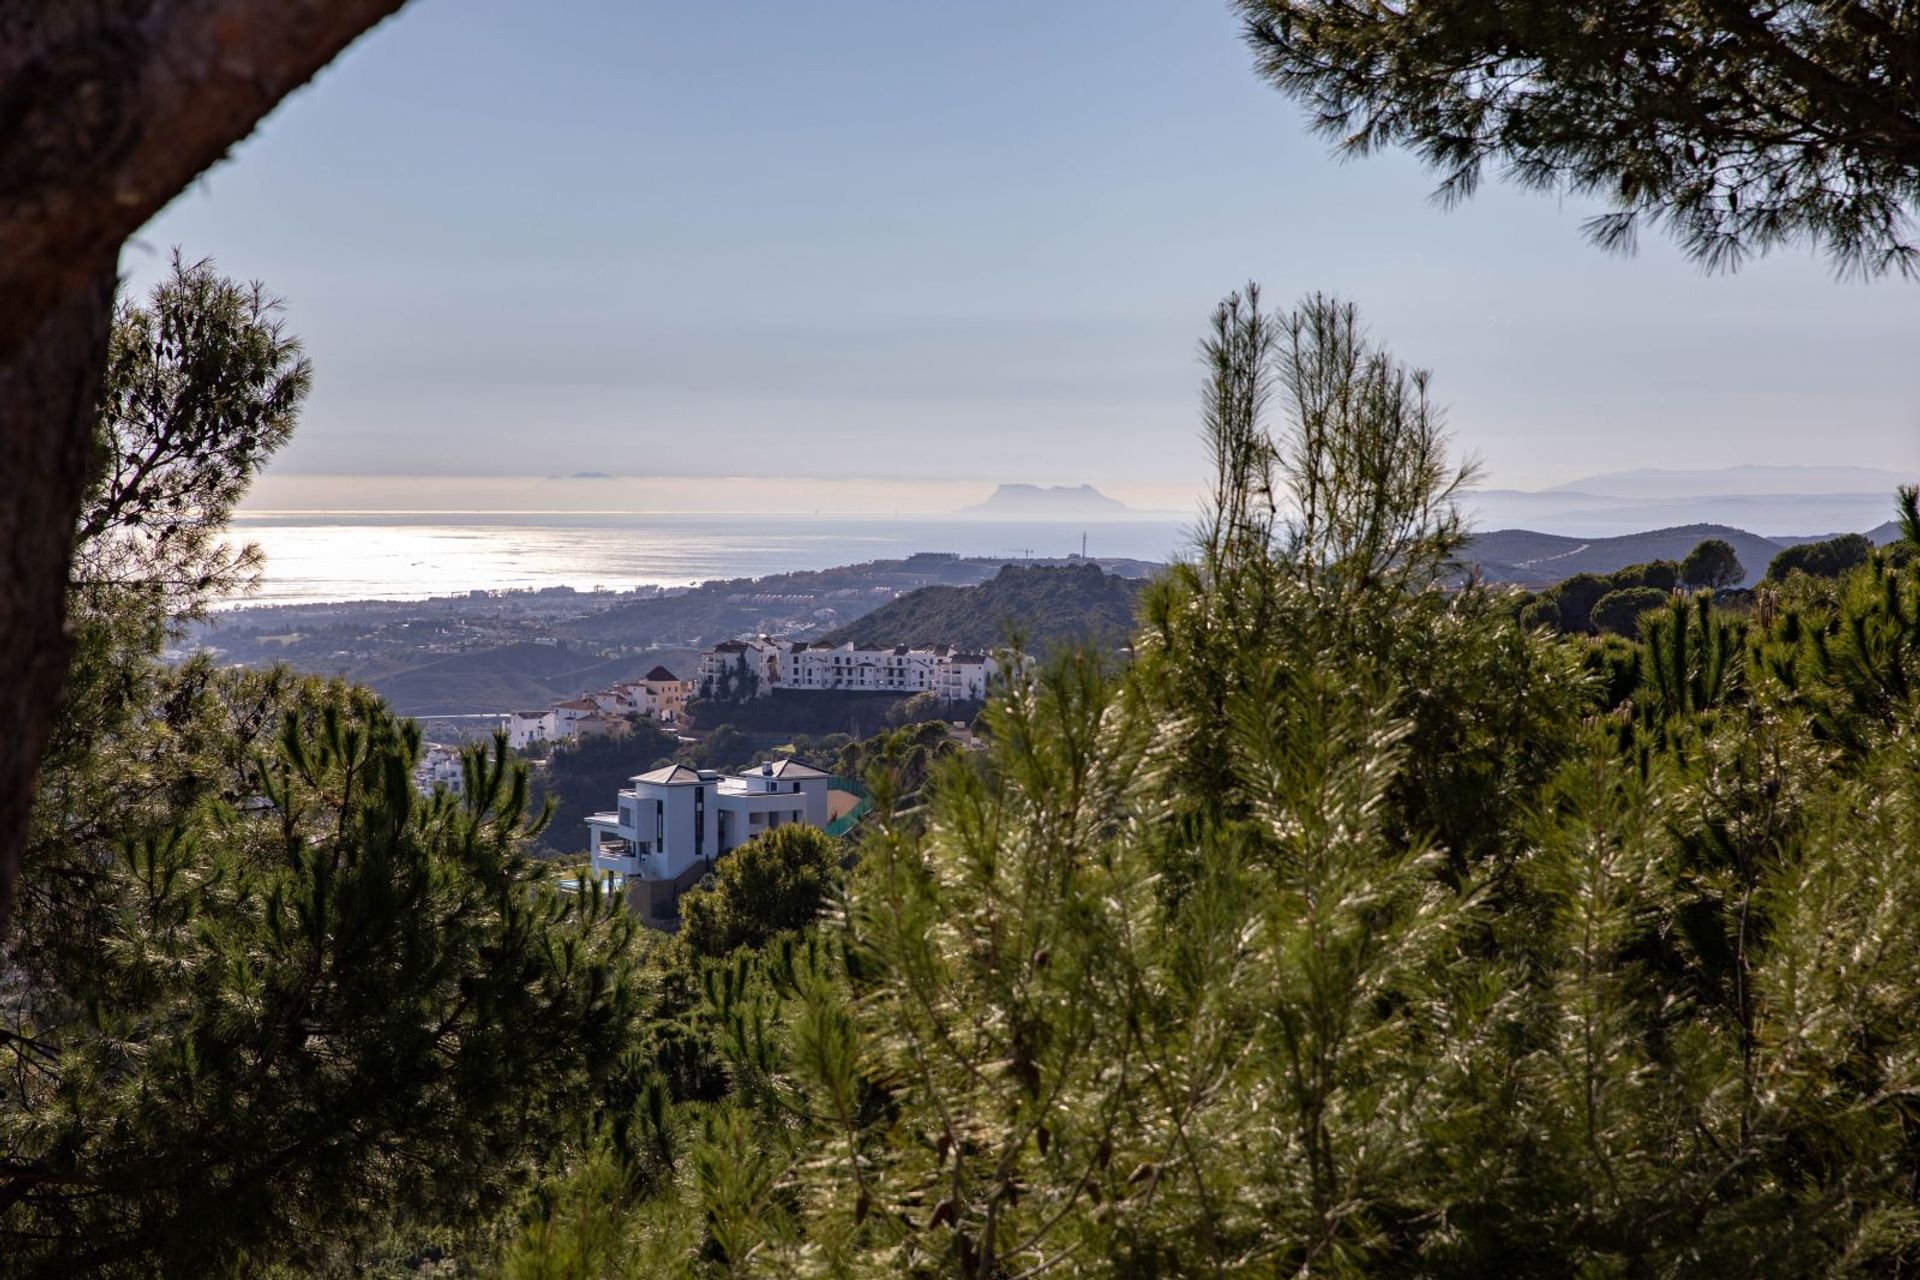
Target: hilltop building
x=671, y=823
x=757, y=666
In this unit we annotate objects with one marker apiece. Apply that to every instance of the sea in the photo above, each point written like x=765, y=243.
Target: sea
x=315, y=558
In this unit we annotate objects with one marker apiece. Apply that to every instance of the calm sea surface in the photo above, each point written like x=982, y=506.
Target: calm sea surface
x=383, y=556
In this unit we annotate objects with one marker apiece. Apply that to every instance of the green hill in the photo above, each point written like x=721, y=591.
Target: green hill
x=1533, y=559
x=509, y=677
x=1048, y=606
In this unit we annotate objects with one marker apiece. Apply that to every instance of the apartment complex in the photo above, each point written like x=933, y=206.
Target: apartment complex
x=758, y=665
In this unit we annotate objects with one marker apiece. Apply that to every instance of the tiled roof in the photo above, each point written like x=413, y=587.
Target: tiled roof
x=661, y=673
x=580, y=704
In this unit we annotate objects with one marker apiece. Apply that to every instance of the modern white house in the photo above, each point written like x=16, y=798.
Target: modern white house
x=764, y=664
x=672, y=823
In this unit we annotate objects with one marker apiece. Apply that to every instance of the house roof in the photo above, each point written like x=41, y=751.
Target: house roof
x=794, y=769
x=669, y=775
x=968, y=658
x=579, y=704
x=660, y=673
x=730, y=646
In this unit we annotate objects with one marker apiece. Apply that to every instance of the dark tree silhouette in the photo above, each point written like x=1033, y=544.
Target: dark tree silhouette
x=1737, y=125
x=1712, y=564
x=108, y=109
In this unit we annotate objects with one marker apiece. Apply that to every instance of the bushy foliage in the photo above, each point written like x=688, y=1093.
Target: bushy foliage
x=1712, y=563
x=203, y=385
x=774, y=883
x=1827, y=559
x=1618, y=612
x=897, y=765
x=265, y=1005
x=289, y=998
x=1738, y=127
x=1354, y=928
x=1572, y=605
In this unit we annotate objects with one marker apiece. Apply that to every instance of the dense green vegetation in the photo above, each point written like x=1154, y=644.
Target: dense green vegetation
x=1736, y=126
x=1353, y=929
x=1361, y=923
x=1827, y=559
x=1052, y=607
x=782, y=713
x=774, y=883
x=265, y=1006
x=1573, y=605
x=1713, y=563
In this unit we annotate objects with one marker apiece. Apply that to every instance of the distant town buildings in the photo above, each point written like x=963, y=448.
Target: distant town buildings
x=671, y=823
x=439, y=767
x=756, y=666
x=659, y=695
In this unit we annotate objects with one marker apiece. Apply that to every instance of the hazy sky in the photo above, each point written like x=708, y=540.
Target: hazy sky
x=913, y=241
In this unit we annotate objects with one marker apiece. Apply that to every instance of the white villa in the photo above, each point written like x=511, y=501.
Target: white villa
x=673, y=822
x=524, y=728
x=769, y=663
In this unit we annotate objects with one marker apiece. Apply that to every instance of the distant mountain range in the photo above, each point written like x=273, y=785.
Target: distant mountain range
x=1035, y=501
x=1529, y=558
x=1790, y=503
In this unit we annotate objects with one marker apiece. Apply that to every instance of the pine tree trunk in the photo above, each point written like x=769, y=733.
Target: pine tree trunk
x=49, y=388
x=108, y=109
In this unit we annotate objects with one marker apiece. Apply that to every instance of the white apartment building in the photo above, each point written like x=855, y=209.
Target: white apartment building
x=780, y=664
x=672, y=823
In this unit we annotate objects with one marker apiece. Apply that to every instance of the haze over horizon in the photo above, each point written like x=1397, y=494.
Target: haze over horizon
x=865, y=243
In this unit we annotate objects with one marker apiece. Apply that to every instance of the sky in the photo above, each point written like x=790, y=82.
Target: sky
x=934, y=247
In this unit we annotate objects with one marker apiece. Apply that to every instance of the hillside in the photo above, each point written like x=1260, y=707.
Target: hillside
x=1049, y=606
x=1531, y=559
x=509, y=677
